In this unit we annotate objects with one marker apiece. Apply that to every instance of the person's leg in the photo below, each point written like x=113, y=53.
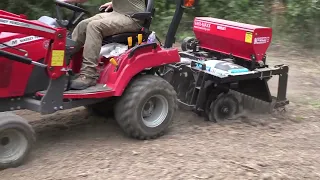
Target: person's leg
x=79, y=32
x=111, y=23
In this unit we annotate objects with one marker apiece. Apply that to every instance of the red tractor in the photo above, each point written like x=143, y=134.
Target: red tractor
x=36, y=68
x=219, y=73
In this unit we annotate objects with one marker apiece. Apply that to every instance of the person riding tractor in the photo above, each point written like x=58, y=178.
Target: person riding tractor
x=89, y=34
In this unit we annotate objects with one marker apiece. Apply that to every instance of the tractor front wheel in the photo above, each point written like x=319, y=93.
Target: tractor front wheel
x=16, y=140
x=146, y=109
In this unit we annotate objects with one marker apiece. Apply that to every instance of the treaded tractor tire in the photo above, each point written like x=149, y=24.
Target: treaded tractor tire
x=17, y=136
x=185, y=42
x=132, y=107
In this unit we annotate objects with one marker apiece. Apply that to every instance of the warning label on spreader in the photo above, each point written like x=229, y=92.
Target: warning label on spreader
x=248, y=38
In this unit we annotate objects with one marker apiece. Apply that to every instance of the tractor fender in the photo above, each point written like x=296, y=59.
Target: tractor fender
x=132, y=64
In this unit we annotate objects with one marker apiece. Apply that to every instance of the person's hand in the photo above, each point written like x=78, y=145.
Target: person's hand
x=106, y=6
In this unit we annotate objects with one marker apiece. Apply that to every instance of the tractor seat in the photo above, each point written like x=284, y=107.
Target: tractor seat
x=123, y=37
x=145, y=17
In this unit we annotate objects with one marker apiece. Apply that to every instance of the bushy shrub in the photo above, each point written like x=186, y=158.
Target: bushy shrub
x=295, y=20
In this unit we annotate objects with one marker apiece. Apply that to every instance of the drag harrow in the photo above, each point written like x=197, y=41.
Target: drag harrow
x=221, y=98
x=223, y=72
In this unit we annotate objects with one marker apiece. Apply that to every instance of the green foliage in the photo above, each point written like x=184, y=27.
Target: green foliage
x=303, y=21
x=294, y=20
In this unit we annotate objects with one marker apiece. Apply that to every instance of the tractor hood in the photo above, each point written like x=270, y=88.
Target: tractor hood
x=15, y=39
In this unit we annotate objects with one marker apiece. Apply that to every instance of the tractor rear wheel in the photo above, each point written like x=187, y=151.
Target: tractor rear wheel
x=146, y=108
x=16, y=140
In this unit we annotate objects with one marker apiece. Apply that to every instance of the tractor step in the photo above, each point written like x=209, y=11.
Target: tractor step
x=92, y=89
x=85, y=93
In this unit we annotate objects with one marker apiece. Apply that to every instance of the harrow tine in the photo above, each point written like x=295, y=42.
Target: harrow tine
x=254, y=105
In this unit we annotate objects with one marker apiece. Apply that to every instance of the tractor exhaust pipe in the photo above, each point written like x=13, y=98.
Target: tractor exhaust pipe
x=170, y=38
x=180, y=6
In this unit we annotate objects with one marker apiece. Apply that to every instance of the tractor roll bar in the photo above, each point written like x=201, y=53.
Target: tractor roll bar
x=20, y=59
x=180, y=6
x=170, y=38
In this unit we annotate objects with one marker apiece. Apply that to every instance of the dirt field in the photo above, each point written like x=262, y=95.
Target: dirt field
x=73, y=146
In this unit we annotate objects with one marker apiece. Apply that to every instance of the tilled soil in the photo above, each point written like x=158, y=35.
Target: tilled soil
x=72, y=145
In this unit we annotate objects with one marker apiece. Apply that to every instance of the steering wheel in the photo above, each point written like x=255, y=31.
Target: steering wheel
x=76, y=17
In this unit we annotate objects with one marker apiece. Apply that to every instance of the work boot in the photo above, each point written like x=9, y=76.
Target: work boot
x=82, y=82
